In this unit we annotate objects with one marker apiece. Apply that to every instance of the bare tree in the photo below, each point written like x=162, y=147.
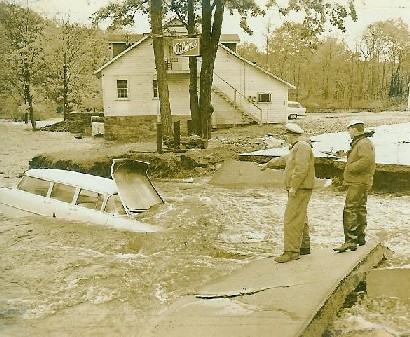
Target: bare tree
x=23, y=30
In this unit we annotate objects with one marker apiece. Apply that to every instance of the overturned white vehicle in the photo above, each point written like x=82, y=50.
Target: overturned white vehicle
x=83, y=197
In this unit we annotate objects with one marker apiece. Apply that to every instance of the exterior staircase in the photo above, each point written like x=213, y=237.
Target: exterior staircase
x=236, y=99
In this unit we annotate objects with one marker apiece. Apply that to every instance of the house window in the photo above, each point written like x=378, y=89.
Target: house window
x=122, y=88
x=155, y=88
x=264, y=97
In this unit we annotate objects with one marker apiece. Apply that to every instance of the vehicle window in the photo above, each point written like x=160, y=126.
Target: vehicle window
x=293, y=105
x=114, y=205
x=90, y=199
x=34, y=185
x=63, y=192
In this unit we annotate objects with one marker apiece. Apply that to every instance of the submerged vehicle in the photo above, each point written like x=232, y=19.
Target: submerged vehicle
x=87, y=198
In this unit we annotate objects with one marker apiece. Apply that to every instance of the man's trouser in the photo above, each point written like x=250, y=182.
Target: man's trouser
x=355, y=213
x=296, y=229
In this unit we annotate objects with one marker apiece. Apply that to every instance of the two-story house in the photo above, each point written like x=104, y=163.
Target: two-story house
x=242, y=92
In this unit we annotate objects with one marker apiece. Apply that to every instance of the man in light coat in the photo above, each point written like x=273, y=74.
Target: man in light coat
x=299, y=182
x=358, y=176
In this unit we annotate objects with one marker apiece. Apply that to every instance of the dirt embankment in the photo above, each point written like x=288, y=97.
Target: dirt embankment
x=228, y=144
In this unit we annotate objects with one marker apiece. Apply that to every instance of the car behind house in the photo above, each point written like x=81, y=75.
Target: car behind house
x=295, y=109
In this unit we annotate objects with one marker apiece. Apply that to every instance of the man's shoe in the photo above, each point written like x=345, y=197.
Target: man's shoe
x=304, y=251
x=286, y=257
x=361, y=241
x=346, y=246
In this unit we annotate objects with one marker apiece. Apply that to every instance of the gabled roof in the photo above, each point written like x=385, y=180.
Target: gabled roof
x=98, y=71
x=123, y=38
x=229, y=38
x=256, y=66
x=173, y=22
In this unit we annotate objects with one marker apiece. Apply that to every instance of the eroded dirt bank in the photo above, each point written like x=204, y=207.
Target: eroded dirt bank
x=227, y=144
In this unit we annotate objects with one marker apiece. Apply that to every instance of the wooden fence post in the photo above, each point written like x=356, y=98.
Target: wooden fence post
x=159, y=137
x=177, y=134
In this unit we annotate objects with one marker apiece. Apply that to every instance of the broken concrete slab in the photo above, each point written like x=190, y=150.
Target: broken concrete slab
x=388, y=178
x=264, y=298
x=282, y=151
x=244, y=174
x=389, y=282
x=392, y=145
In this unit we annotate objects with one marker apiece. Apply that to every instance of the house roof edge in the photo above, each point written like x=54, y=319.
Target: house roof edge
x=257, y=67
x=98, y=71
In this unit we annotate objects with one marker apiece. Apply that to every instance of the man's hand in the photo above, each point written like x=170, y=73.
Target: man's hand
x=263, y=166
x=292, y=192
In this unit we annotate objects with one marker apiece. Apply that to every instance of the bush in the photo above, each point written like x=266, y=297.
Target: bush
x=9, y=108
x=44, y=109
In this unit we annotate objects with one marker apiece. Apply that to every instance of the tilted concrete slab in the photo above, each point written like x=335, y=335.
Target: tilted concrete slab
x=393, y=282
x=244, y=174
x=299, y=298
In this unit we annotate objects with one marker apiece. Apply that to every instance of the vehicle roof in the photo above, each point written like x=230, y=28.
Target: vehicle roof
x=76, y=179
x=293, y=102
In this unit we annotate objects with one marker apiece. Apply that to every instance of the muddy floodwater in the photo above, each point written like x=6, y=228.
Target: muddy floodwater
x=60, y=278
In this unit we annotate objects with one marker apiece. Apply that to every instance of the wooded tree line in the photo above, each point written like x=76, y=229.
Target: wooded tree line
x=47, y=64
x=328, y=75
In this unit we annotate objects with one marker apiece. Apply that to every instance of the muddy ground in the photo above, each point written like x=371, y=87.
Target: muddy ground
x=60, y=278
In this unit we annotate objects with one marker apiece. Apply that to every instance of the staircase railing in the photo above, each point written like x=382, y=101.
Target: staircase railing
x=238, y=99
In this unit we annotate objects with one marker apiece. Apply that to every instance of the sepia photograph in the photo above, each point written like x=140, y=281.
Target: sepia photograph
x=205, y=168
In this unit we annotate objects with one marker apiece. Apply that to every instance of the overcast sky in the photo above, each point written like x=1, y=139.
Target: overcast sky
x=368, y=11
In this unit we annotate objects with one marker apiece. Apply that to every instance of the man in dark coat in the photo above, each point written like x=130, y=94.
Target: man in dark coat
x=358, y=176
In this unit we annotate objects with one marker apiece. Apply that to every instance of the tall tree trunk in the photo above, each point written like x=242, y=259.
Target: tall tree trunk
x=211, y=33
x=65, y=88
x=28, y=99
x=156, y=12
x=193, y=74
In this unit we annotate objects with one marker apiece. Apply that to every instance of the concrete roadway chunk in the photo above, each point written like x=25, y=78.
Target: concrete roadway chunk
x=299, y=298
x=244, y=174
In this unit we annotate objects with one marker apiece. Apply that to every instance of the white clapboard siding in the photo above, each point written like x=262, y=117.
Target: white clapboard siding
x=178, y=85
x=226, y=114
x=250, y=80
x=137, y=66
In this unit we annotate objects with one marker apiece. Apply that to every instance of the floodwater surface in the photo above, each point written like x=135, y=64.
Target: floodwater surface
x=61, y=278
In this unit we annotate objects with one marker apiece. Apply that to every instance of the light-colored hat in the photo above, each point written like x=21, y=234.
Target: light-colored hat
x=355, y=122
x=294, y=128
